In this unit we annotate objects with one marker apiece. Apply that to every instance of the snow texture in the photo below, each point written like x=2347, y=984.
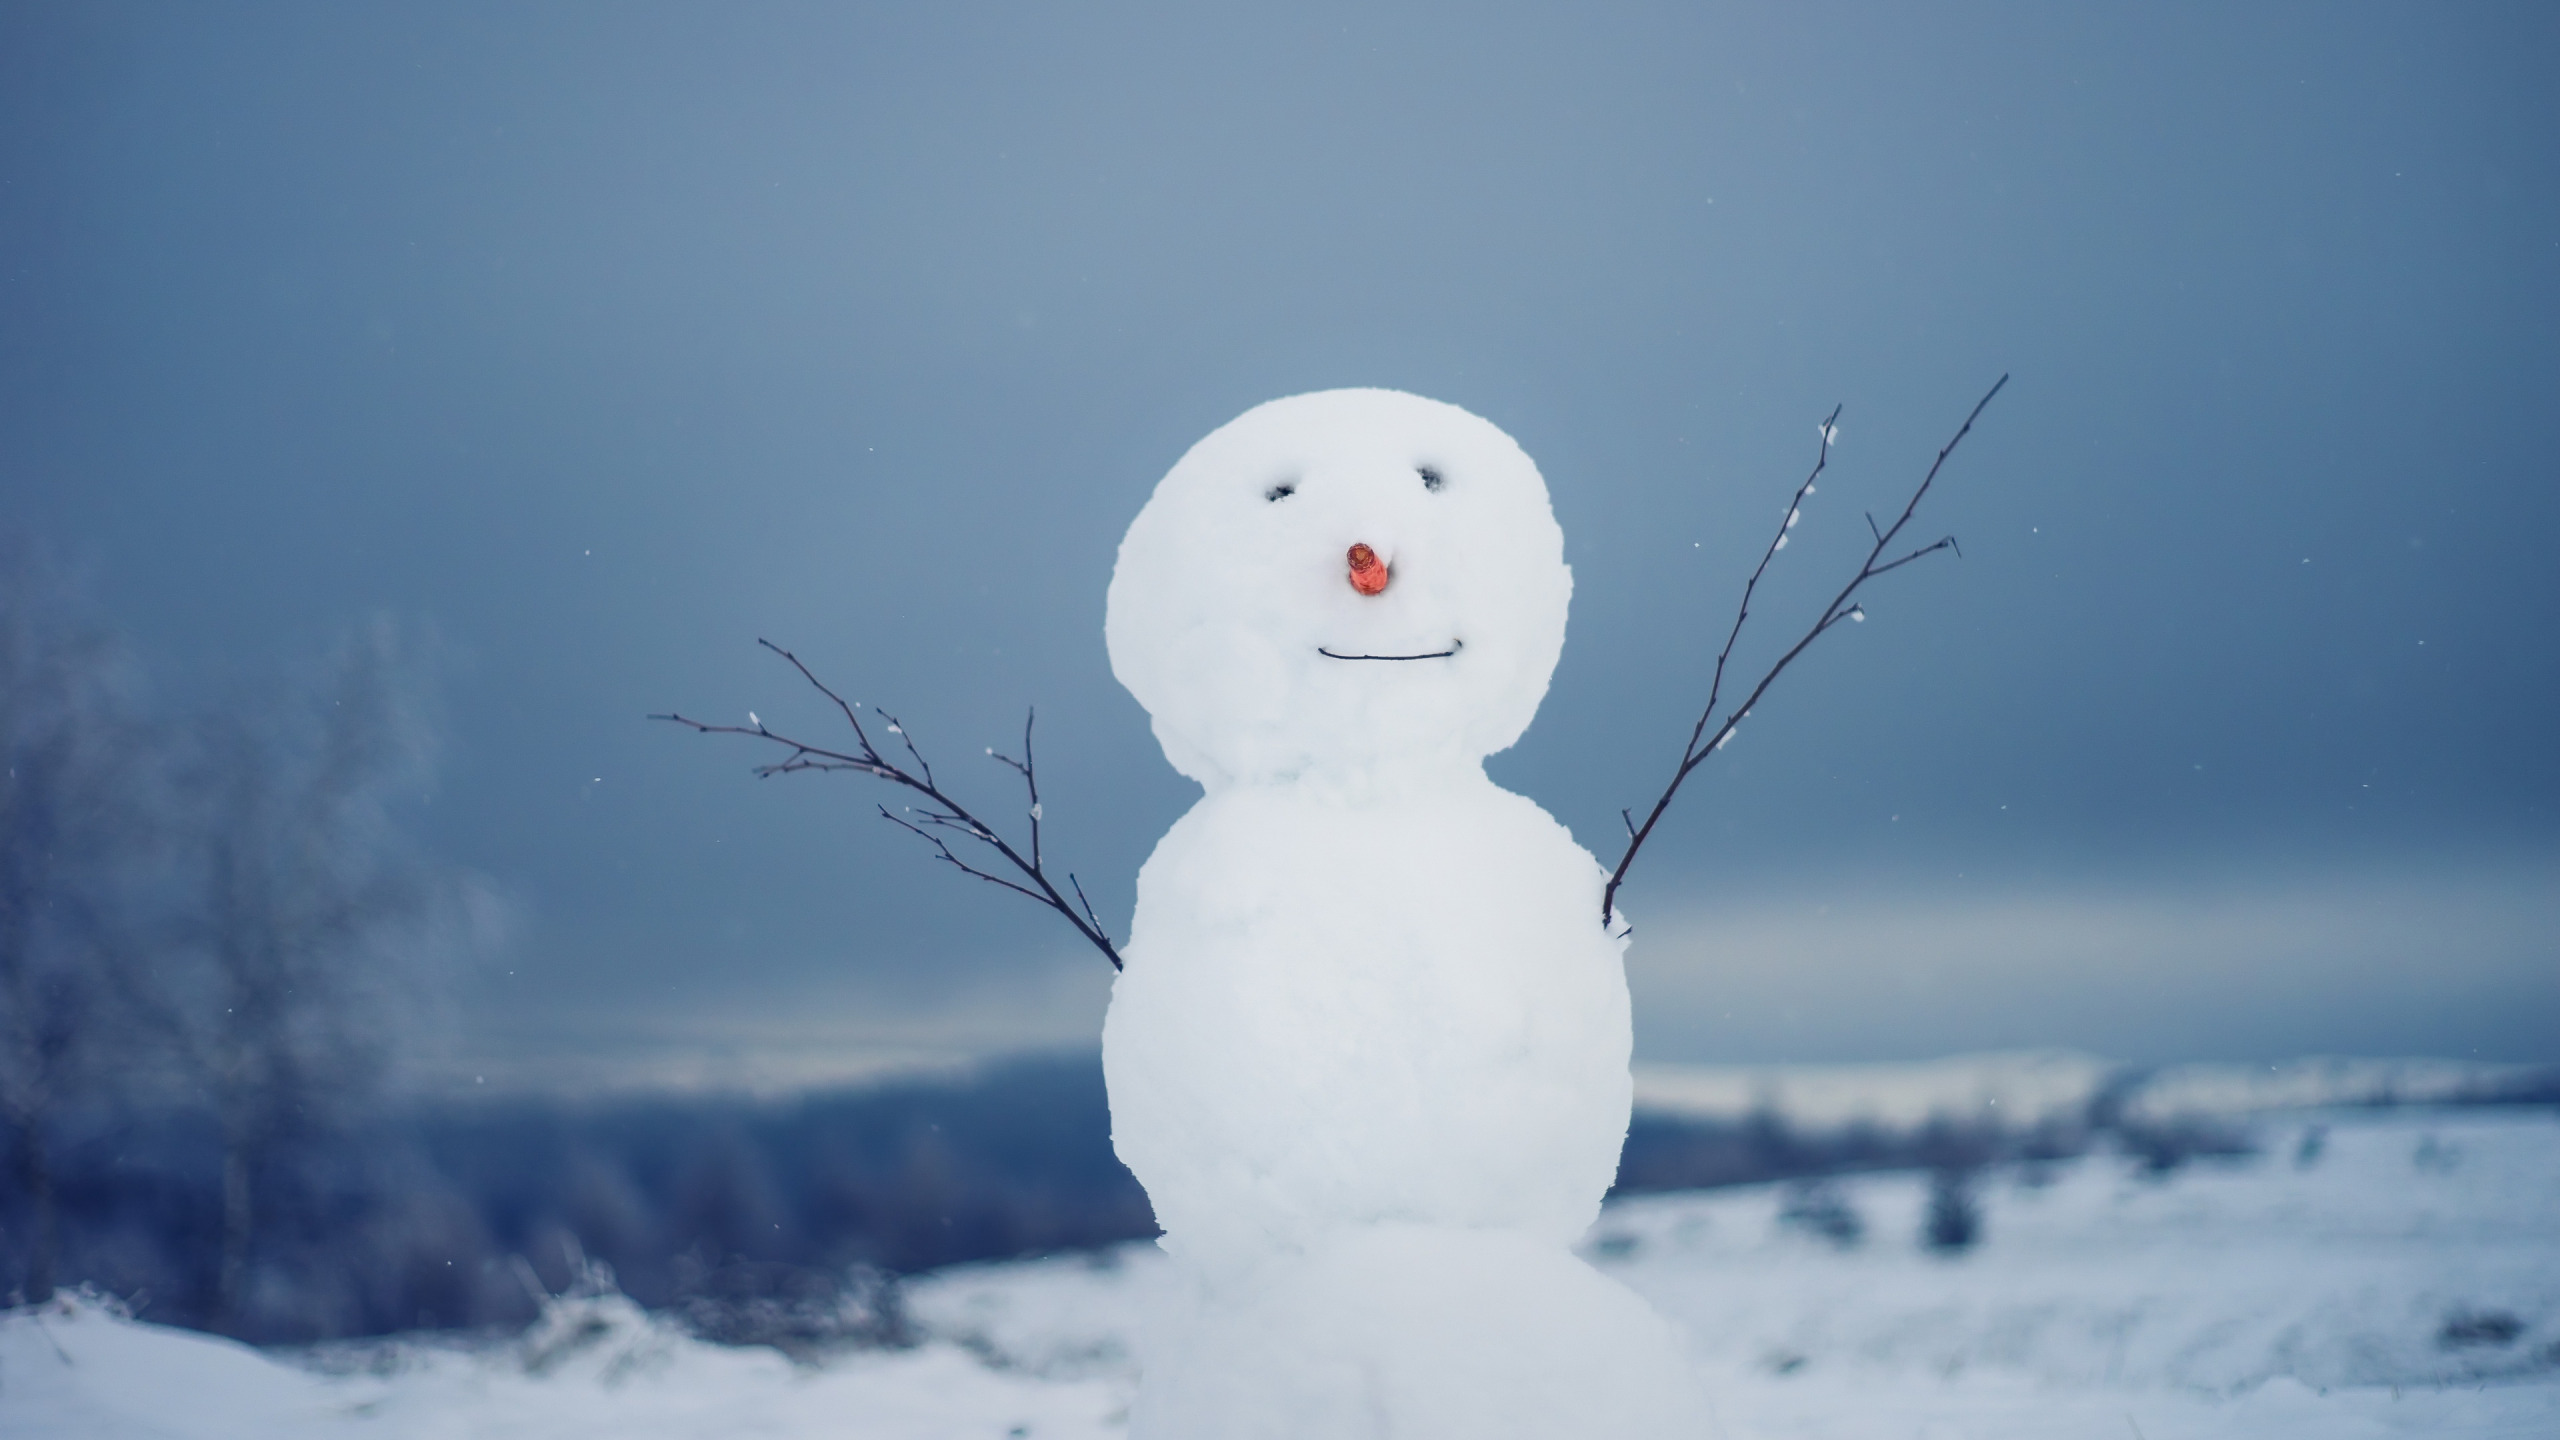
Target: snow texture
x=1369, y=1053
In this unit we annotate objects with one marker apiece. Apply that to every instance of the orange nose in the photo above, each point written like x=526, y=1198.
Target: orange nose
x=1368, y=572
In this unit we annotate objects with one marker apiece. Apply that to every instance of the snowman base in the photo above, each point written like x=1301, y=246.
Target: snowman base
x=1414, y=1332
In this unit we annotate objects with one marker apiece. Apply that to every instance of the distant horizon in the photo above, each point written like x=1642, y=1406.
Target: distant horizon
x=1723, y=1090
x=1736, y=976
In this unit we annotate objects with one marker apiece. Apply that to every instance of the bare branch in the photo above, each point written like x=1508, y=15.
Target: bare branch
x=943, y=813
x=1087, y=904
x=912, y=752
x=944, y=851
x=1026, y=767
x=1842, y=607
x=1944, y=542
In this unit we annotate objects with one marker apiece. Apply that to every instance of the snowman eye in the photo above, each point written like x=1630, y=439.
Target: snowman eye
x=1430, y=477
x=1281, y=491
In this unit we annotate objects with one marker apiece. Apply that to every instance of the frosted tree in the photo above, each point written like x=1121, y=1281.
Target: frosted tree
x=314, y=930
x=69, y=821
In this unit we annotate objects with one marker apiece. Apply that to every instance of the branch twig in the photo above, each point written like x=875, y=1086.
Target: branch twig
x=1842, y=607
x=941, y=813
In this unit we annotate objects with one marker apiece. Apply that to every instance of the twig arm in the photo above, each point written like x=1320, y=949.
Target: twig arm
x=942, y=813
x=1843, y=607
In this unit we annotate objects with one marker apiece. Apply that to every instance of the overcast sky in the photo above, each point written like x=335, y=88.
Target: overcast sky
x=607, y=338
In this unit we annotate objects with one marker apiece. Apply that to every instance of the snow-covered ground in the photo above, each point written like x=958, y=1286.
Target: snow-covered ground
x=2398, y=1275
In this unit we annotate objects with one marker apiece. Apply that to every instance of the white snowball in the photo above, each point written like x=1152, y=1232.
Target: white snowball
x=1234, y=578
x=1346, y=1011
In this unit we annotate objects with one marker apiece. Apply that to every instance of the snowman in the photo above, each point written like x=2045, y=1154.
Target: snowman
x=1369, y=1051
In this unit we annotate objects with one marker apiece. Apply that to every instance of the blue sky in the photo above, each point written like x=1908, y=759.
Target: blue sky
x=608, y=338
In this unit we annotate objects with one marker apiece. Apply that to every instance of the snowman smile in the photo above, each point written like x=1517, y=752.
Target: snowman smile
x=1454, y=647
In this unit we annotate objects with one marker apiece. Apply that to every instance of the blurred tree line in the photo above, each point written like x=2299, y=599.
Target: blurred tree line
x=206, y=913
x=437, y=1214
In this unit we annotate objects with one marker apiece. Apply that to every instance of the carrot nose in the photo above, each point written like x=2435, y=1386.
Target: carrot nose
x=1368, y=572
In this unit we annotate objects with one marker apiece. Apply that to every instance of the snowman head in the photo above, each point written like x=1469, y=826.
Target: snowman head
x=1350, y=584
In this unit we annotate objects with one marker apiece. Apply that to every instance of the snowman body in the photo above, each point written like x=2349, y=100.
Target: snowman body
x=1369, y=1009
x=1369, y=1053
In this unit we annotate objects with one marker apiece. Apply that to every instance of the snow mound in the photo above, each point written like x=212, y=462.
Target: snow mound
x=79, y=1365
x=593, y=1365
